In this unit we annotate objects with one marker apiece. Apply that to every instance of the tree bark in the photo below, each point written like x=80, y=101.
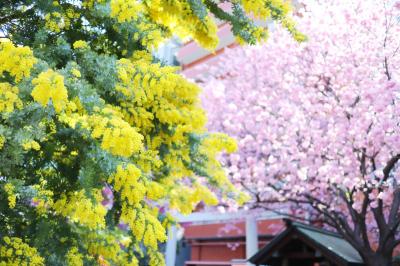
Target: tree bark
x=379, y=260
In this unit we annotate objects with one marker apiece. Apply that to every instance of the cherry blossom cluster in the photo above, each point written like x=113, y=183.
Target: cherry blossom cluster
x=318, y=123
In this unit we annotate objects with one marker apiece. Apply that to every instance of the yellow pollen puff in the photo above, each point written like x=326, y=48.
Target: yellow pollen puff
x=31, y=145
x=2, y=141
x=9, y=99
x=15, y=252
x=76, y=73
x=9, y=188
x=127, y=181
x=80, y=45
x=74, y=258
x=56, y=22
x=155, y=191
x=117, y=136
x=126, y=10
x=49, y=85
x=144, y=224
x=18, y=61
x=80, y=209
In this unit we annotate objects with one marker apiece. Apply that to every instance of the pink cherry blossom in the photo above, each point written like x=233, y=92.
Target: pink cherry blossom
x=108, y=197
x=318, y=123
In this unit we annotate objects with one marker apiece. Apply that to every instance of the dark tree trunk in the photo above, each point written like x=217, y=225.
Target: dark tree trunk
x=379, y=260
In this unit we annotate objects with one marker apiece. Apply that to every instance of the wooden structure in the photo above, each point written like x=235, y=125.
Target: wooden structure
x=305, y=245
x=219, y=243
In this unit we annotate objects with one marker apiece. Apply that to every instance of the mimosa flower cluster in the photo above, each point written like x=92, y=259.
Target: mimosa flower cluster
x=99, y=141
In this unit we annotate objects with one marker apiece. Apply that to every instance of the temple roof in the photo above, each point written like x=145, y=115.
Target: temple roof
x=330, y=245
